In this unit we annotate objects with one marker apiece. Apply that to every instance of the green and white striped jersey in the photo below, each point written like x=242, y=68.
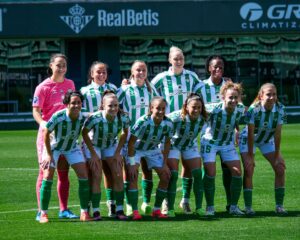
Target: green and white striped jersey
x=135, y=100
x=175, y=88
x=93, y=95
x=185, y=130
x=65, y=131
x=209, y=91
x=148, y=134
x=105, y=133
x=221, y=125
x=265, y=122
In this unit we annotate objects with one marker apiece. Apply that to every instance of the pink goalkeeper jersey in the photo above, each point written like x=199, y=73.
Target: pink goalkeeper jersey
x=49, y=96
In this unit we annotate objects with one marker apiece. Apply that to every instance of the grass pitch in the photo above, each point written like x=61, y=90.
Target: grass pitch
x=19, y=169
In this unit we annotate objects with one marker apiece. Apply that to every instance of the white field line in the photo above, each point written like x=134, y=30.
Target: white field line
x=19, y=169
x=34, y=209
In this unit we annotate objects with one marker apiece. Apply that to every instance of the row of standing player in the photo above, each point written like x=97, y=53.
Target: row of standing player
x=170, y=84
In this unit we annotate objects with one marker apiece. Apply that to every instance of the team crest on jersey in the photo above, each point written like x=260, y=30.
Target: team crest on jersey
x=227, y=127
x=265, y=125
x=72, y=134
x=77, y=21
x=191, y=135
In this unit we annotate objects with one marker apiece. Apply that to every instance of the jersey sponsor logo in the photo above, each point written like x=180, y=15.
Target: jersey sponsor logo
x=276, y=16
x=77, y=20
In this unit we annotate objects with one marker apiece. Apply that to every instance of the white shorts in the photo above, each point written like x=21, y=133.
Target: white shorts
x=73, y=156
x=154, y=158
x=263, y=147
x=102, y=153
x=189, y=153
x=210, y=151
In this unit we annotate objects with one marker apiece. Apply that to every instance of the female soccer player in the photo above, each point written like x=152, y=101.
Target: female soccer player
x=175, y=85
x=264, y=119
x=210, y=91
x=188, y=123
x=106, y=124
x=136, y=98
x=149, y=131
x=93, y=93
x=60, y=138
x=48, y=98
x=219, y=139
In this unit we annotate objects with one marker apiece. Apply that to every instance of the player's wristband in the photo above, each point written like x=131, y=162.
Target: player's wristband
x=131, y=160
x=43, y=124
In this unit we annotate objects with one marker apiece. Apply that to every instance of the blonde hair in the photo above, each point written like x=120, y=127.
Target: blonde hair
x=174, y=49
x=146, y=80
x=234, y=86
x=261, y=90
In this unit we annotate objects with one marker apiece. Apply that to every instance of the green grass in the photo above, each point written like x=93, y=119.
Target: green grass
x=18, y=172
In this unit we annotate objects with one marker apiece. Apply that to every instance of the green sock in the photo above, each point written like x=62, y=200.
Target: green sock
x=198, y=187
x=160, y=196
x=248, y=197
x=109, y=194
x=96, y=197
x=226, y=177
x=279, y=195
x=133, y=195
x=209, y=190
x=119, y=197
x=172, y=189
x=186, y=187
x=126, y=186
x=45, y=194
x=83, y=191
x=147, y=186
x=235, y=188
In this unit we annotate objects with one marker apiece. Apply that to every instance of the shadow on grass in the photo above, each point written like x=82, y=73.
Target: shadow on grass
x=180, y=217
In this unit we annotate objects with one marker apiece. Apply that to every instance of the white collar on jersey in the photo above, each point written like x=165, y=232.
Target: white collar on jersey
x=68, y=119
x=264, y=110
x=152, y=123
x=171, y=73
x=223, y=108
x=133, y=84
x=210, y=82
x=96, y=85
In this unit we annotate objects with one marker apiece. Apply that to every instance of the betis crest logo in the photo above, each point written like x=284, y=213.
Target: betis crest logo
x=77, y=21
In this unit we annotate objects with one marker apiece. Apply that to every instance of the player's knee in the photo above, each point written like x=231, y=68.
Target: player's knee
x=236, y=172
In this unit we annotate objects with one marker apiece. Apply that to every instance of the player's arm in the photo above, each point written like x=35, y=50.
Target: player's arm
x=132, y=168
x=37, y=115
x=250, y=141
x=94, y=161
x=277, y=139
x=122, y=140
x=49, y=157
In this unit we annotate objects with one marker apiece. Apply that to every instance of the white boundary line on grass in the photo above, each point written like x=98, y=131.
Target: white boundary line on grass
x=35, y=210
x=19, y=169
